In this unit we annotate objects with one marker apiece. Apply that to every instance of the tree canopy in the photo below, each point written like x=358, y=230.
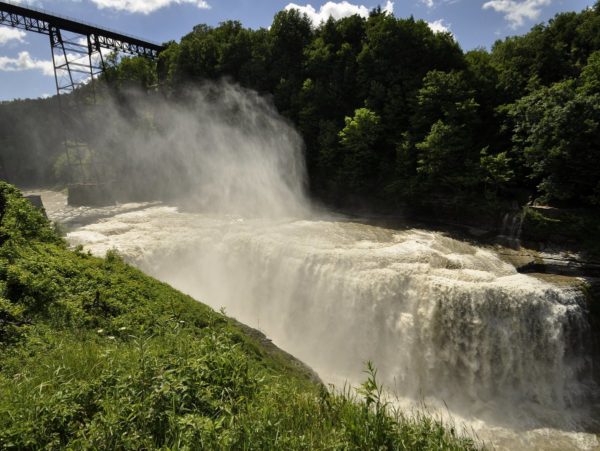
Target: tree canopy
x=392, y=112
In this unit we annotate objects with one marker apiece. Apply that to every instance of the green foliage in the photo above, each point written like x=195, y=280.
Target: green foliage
x=442, y=141
x=19, y=221
x=96, y=355
x=496, y=127
x=497, y=168
x=557, y=129
x=209, y=53
x=590, y=76
x=360, y=161
x=130, y=72
x=360, y=131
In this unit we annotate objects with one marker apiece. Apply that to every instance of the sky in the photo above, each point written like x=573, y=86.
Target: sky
x=25, y=57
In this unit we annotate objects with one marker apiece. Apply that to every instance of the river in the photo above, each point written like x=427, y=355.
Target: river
x=450, y=326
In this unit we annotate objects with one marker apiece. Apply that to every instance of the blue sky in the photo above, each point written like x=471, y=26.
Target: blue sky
x=25, y=70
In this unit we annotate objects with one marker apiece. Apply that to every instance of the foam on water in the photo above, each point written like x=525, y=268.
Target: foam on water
x=444, y=321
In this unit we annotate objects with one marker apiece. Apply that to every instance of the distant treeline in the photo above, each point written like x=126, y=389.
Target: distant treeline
x=393, y=113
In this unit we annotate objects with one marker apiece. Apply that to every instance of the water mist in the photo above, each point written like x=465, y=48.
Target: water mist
x=220, y=149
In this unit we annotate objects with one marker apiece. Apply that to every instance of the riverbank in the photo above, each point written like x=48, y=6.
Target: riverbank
x=97, y=354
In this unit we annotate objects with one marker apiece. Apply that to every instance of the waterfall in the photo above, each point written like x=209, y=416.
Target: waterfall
x=441, y=319
x=512, y=226
x=437, y=316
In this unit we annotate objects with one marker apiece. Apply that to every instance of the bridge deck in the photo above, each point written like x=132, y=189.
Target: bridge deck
x=40, y=21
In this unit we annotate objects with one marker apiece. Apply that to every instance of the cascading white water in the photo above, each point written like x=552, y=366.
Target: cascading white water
x=441, y=319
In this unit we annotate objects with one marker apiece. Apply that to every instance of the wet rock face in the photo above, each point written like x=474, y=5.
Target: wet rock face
x=592, y=291
x=561, y=265
x=36, y=201
x=554, y=262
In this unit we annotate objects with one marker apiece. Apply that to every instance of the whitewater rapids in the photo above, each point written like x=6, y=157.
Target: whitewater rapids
x=442, y=320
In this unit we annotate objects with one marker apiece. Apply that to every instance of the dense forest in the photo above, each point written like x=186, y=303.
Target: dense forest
x=391, y=112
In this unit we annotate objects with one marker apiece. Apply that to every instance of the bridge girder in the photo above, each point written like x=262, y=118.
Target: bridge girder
x=78, y=60
x=40, y=21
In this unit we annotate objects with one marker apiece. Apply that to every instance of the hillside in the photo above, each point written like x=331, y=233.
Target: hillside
x=95, y=354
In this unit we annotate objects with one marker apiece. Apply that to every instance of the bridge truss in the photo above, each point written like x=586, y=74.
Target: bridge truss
x=76, y=46
x=78, y=58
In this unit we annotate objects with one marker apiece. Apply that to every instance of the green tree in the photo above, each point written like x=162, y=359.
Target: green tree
x=496, y=170
x=557, y=129
x=590, y=76
x=361, y=162
x=441, y=147
x=290, y=33
x=131, y=72
x=395, y=57
x=330, y=92
x=548, y=53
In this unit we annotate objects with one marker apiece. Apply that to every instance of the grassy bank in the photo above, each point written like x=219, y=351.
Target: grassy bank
x=95, y=354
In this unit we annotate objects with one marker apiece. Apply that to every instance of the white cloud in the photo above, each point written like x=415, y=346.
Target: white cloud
x=11, y=34
x=24, y=61
x=145, y=6
x=431, y=4
x=26, y=3
x=336, y=10
x=516, y=11
x=438, y=26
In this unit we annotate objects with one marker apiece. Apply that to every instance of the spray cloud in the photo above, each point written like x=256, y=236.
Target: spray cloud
x=220, y=148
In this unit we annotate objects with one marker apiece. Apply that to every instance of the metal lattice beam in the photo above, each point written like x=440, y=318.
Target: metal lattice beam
x=40, y=21
x=78, y=60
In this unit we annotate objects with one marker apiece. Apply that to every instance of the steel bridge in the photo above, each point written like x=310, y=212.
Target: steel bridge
x=78, y=59
x=76, y=46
